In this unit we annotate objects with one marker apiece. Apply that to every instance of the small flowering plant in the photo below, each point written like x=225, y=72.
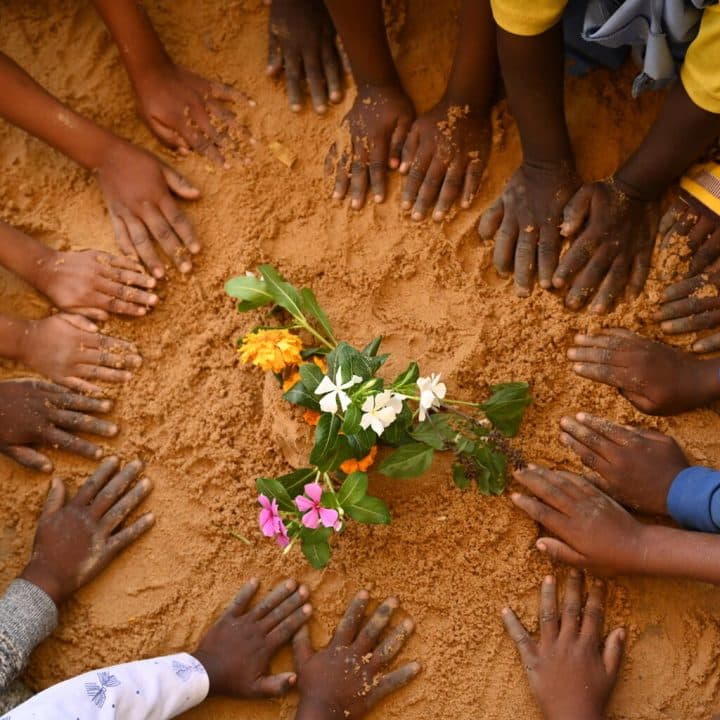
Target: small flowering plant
x=354, y=409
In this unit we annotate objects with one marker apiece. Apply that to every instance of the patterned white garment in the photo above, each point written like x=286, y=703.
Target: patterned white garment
x=156, y=689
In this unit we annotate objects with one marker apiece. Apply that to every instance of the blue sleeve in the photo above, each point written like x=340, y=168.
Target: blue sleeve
x=693, y=500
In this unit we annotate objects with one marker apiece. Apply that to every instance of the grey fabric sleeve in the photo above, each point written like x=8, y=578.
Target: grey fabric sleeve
x=27, y=617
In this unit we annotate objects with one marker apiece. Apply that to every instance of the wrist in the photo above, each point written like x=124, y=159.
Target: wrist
x=24, y=255
x=313, y=709
x=633, y=186
x=707, y=373
x=214, y=669
x=14, y=333
x=39, y=576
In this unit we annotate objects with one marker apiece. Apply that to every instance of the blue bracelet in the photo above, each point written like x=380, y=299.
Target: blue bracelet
x=693, y=500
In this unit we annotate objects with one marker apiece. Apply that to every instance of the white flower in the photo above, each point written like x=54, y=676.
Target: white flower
x=250, y=273
x=432, y=391
x=334, y=392
x=380, y=410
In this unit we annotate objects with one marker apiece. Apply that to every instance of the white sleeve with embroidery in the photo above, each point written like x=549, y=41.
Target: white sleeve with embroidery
x=155, y=689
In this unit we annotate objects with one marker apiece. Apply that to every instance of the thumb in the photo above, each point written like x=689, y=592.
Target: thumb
x=80, y=322
x=560, y=552
x=576, y=211
x=276, y=685
x=180, y=185
x=56, y=497
x=613, y=652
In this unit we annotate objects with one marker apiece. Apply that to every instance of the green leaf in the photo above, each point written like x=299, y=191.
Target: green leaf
x=317, y=553
x=353, y=489
x=397, y=433
x=251, y=292
x=408, y=461
x=310, y=352
x=435, y=431
x=493, y=466
x=361, y=442
x=352, y=362
x=351, y=424
x=342, y=451
x=311, y=376
x=506, y=406
x=284, y=294
x=405, y=382
x=369, y=510
x=312, y=307
x=459, y=477
x=298, y=394
x=274, y=489
x=295, y=482
x=371, y=349
x=326, y=436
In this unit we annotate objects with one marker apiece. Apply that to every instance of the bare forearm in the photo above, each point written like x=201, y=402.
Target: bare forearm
x=12, y=335
x=28, y=105
x=22, y=254
x=669, y=552
x=139, y=45
x=679, y=135
x=362, y=29
x=533, y=71
x=473, y=73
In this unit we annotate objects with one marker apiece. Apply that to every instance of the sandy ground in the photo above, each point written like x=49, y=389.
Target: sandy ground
x=200, y=422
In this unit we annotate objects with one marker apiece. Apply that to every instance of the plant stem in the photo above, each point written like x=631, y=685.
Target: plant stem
x=328, y=483
x=305, y=325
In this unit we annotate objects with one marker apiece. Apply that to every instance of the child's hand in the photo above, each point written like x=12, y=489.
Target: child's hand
x=40, y=413
x=303, y=40
x=570, y=676
x=614, y=240
x=635, y=466
x=689, y=217
x=525, y=222
x=346, y=679
x=692, y=305
x=186, y=111
x=444, y=156
x=594, y=532
x=94, y=284
x=237, y=651
x=69, y=350
x=138, y=191
x=74, y=543
x=656, y=378
x=378, y=121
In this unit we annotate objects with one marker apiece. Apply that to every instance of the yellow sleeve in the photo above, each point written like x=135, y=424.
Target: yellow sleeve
x=527, y=18
x=700, y=73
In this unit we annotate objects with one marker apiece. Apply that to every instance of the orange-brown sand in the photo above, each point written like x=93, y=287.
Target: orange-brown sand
x=200, y=421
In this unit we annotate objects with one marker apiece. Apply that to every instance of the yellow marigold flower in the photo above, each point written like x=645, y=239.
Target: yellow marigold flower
x=320, y=362
x=311, y=417
x=353, y=465
x=271, y=349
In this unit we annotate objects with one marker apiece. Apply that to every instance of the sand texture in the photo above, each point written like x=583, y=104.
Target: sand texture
x=208, y=427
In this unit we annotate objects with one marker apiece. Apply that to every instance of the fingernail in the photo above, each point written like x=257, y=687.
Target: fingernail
x=582, y=417
x=404, y=167
x=303, y=591
x=394, y=162
x=296, y=108
x=158, y=273
x=336, y=96
x=506, y=611
x=363, y=595
x=564, y=439
x=141, y=312
x=114, y=459
x=549, y=579
x=378, y=198
x=321, y=109
x=577, y=367
x=532, y=466
x=185, y=267
x=621, y=635
x=113, y=430
x=153, y=299
x=106, y=406
x=336, y=195
x=437, y=216
x=565, y=421
x=392, y=602
x=545, y=284
x=515, y=496
x=355, y=204
x=137, y=463
x=575, y=573
x=417, y=216
x=405, y=204
x=254, y=581
x=408, y=625
x=307, y=609
x=150, y=518
x=47, y=467
x=541, y=546
x=558, y=283
x=290, y=584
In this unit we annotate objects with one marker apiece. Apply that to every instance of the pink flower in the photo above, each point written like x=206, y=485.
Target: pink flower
x=271, y=523
x=315, y=514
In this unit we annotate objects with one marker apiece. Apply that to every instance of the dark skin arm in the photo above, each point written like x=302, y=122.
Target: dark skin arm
x=635, y=466
x=88, y=283
x=69, y=350
x=382, y=113
x=138, y=188
x=237, y=651
x=657, y=379
x=526, y=218
x=594, y=532
x=571, y=672
x=447, y=149
x=35, y=413
x=76, y=541
x=181, y=108
x=615, y=220
x=347, y=679
x=303, y=42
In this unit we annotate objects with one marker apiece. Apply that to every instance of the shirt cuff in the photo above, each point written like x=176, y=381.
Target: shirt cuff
x=693, y=500
x=29, y=613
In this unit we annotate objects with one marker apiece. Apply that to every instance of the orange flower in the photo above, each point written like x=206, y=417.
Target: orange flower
x=291, y=382
x=271, y=349
x=311, y=417
x=353, y=465
x=320, y=362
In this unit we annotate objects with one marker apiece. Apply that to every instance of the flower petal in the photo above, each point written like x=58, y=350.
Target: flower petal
x=329, y=403
x=303, y=504
x=313, y=491
x=311, y=519
x=326, y=385
x=328, y=517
